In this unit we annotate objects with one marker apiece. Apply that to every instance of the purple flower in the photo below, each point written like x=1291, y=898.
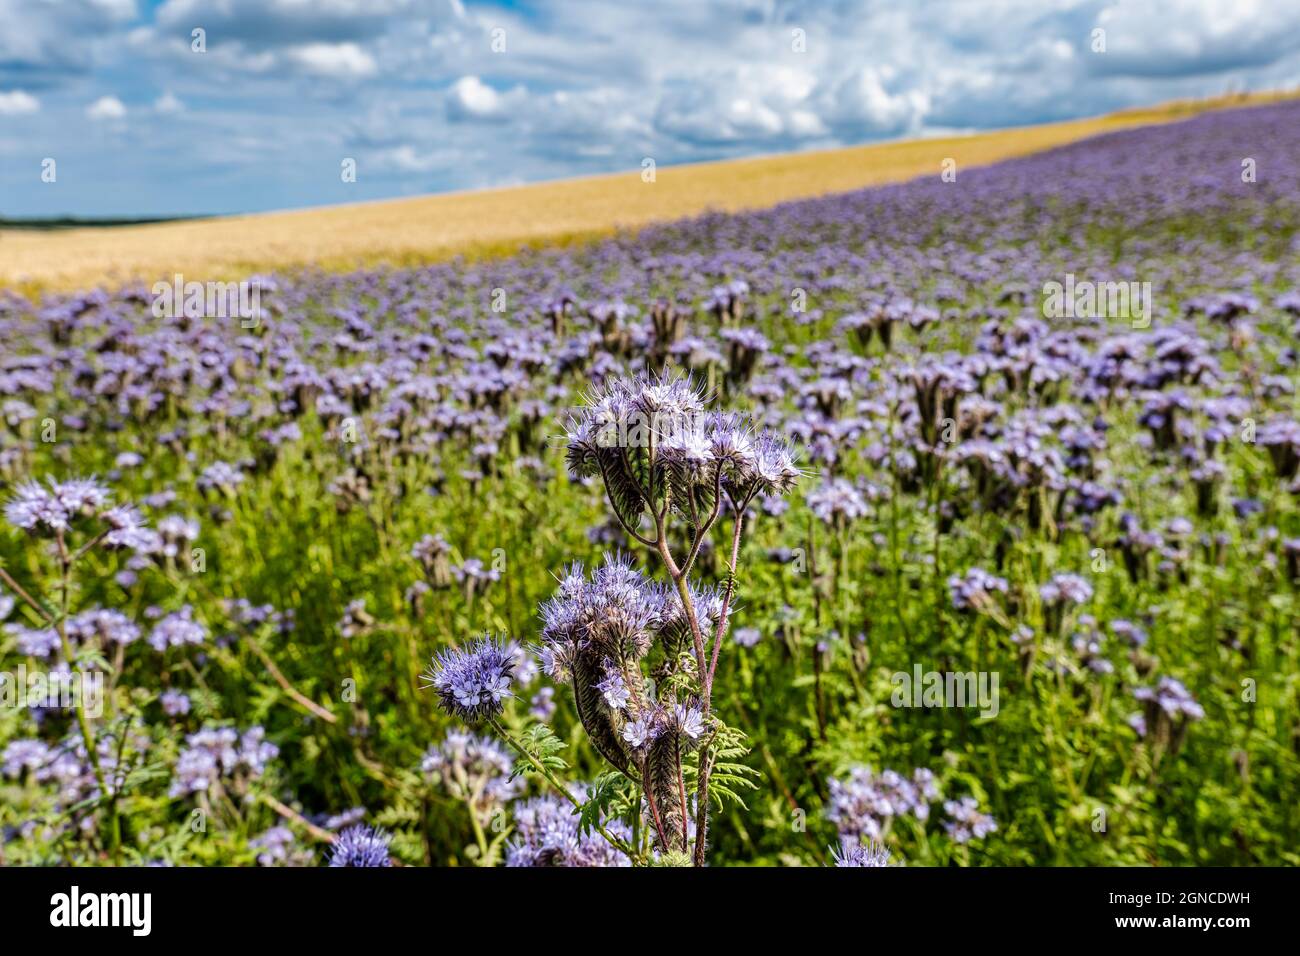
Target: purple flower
x=837, y=502
x=127, y=529
x=613, y=688
x=966, y=822
x=1172, y=698
x=862, y=804
x=104, y=624
x=174, y=703
x=178, y=629
x=341, y=821
x=974, y=591
x=213, y=754
x=20, y=755
x=361, y=846
x=35, y=642
x=1065, y=589
x=279, y=847
x=547, y=834
x=472, y=683
x=688, y=720
x=474, y=769
x=46, y=511
x=542, y=706
x=640, y=732
x=868, y=853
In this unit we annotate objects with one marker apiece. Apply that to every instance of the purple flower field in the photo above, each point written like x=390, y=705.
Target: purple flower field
x=946, y=523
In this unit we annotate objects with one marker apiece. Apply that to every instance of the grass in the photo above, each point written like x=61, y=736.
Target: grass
x=406, y=232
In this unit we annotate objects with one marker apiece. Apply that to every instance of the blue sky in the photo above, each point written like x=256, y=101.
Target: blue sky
x=139, y=123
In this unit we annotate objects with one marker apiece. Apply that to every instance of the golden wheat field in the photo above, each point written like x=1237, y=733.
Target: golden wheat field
x=486, y=222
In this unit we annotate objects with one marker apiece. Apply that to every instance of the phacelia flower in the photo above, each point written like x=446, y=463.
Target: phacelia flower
x=1065, y=589
x=472, y=683
x=177, y=630
x=361, y=846
x=966, y=822
x=868, y=853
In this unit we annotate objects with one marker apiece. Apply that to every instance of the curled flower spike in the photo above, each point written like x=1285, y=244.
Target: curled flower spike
x=41, y=510
x=650, y=440
x=473, y=682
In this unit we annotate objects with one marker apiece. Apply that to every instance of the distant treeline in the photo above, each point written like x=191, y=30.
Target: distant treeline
x=75, y=222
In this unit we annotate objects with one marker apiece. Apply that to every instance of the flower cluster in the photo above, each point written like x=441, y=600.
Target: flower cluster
x=104, y=625
x=474, y=769
x=472, y=683
x=596, y=633
x=47, y=511
x=278, y=846
x=361, y=846
x=837, y=502
x=1168, y=708
x=864, y=804
x=1065, y=589
x=649, y=436
x=547, y=834
x=860, y=853
x=212, y=754
x=966, y=822
x=178, y=629
x=974, y=590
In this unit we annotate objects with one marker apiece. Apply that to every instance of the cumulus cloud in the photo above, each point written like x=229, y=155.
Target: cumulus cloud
x=168, y=104
x=344, y=60
x=592, y=86
x=1171, y=38
x=405, y=158
x=106, y=108
x=751, y=103
x=42, y=43
x=284, y=22
x=472, y=99
x=872, y=102
x=17, y=102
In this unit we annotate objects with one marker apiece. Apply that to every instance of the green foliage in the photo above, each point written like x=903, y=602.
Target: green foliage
x=543, y=746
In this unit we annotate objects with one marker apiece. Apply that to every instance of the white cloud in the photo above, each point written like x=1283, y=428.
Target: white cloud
x=405, y=159
x=867, y=102
x=168, y=103
x=106, y=108
x=1164, y=38
x=16, y=103
x=590, y=86
x=753, y=103
x=340, y=60
x=471, y=98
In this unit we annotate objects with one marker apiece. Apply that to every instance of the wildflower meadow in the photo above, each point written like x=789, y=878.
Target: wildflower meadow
x=953, y=522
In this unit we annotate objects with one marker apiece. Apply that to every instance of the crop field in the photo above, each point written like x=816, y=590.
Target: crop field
x=421, y=230
x=948, y=522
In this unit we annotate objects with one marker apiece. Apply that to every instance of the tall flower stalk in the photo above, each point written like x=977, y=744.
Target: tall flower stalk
x=670, y=469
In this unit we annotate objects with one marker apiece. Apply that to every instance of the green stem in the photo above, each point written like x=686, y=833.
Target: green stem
x=87, y=735
x=554, y=782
